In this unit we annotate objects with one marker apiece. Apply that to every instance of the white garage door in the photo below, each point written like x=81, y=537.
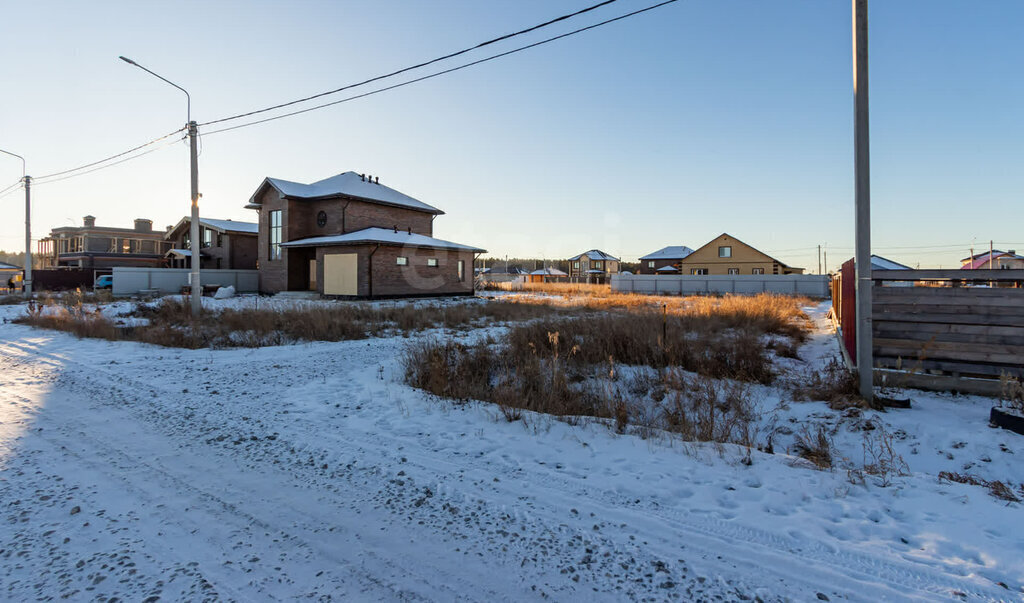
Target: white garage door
x=340, y=274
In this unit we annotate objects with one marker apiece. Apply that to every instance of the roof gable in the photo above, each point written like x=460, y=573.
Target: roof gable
x=595, y=254
x=226, y=226
x=715, y=242
x=672, y=252
x=346, y=184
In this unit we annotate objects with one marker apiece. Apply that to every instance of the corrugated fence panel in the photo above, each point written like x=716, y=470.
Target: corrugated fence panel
x=130, y=281
x=812, y=285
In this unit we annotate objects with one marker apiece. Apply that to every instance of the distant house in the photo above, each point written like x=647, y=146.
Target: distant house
x=726, y=254
x=664, y=261
x=546, y=275
x=91, y=247
x=350, y=236
x=880, y=263
x=996, y=260
x=8, y=272
x=224, y=244
x=593, y=266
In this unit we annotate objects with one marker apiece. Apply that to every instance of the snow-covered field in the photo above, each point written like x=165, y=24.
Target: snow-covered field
x=313, y=471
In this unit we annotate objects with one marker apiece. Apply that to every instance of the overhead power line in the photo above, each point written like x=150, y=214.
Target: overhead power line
x=9, y=188
x=433, y=75
x=417, y=66
x=103, y=167
x=38, y=179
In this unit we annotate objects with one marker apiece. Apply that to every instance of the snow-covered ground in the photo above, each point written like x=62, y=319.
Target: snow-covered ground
x=313, y=471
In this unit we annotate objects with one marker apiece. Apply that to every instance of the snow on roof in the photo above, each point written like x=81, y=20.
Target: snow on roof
x=980, y=261
x=183, y=253
x=386, y=236
x=230, y=225
x=6, y=266
x=672, y=252
x=880, y=263
x=595, y=254
x=667, y=269
x=349, y=184
x=548, y=272
x=595, y=271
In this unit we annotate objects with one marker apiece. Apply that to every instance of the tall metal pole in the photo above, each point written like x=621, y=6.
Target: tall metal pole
x=862, y=177
x=28, y=237
x=27, y=180
x=196, y=287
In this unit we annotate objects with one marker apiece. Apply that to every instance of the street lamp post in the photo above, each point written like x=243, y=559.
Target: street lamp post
x=27, y=285
x=862, y=180
x=195, y=287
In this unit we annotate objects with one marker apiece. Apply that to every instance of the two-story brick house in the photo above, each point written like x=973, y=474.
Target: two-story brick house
x=593, y=266
x=227, y=244
x=350, y=236
x=664, y=261
x=91, y=247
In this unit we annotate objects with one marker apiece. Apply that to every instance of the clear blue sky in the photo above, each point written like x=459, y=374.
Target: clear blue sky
x=702, y=117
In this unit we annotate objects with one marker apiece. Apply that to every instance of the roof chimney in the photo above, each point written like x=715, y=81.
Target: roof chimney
x=89, y=221
x=396, y=227
x=376, y=179
x=143, y=225
x=362, y=177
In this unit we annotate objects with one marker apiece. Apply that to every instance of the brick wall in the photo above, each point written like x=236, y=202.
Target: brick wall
x=644, y=269
x=273, y=274
x=416, y=278
x=355, y=215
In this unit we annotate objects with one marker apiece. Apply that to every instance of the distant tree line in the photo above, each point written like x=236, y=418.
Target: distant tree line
x=17, y=258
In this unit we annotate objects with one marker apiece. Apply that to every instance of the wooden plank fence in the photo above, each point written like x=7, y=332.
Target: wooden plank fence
x=942, y=322
x=962, y=331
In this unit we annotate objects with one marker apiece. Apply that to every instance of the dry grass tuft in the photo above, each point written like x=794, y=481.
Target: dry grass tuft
x=707, y=410
x=834, y=384
x=814, y=446
x=996, y=488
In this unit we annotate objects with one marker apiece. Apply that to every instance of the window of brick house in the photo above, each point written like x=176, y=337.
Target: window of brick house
x=757, y=271
x=275, y=234
x=432, y=262
x=698, y=271
x=725, y=251
x=598, y=265
x=462, y=270
x=207, y=237
x=576, y=265
x=650, y=264
x=402, y=260
x=734, y=271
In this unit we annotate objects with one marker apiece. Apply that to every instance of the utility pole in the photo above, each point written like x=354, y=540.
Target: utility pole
x=819, y=259
x=826, y=262
x=27, y=180
x=862, y=178
x=196, y=288
x=28, y=237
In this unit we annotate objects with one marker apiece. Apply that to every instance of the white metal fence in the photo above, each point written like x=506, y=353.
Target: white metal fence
x=130, y=281
x=813, y=285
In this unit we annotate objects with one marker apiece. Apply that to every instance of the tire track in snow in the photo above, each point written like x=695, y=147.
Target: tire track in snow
x=715, y=535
